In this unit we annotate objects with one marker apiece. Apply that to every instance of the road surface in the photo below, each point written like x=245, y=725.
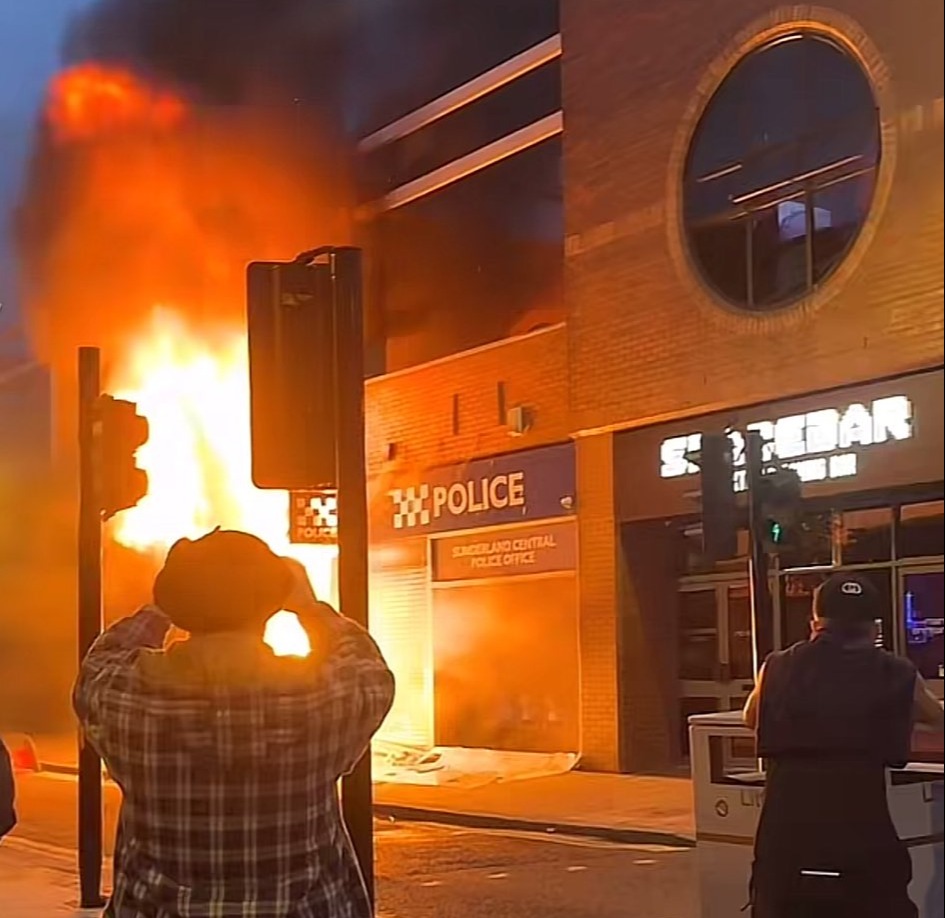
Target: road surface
x=426, y=871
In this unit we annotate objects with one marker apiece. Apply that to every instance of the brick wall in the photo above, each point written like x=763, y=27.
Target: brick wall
x=414, y=410
x=647, y=341
x=449, y=410
x=599, y=633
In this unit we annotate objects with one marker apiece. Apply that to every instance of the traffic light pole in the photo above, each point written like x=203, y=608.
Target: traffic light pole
x=89, y=624
x=345, y=265
x=762, y=607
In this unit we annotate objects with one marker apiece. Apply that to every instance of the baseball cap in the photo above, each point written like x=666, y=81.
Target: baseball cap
x=848, y=599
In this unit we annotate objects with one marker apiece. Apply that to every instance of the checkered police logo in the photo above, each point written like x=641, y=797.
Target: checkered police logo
x=313, y=518
x=411, y=506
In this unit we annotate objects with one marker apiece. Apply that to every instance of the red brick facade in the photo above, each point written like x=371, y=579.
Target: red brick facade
x=452, y=410
x=646, y=341
x=449, y=410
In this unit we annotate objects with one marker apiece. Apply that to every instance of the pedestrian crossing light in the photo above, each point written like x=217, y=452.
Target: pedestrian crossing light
x=121, y=433
x=780, y=497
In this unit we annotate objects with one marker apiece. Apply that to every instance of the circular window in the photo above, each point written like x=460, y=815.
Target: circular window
x=780, y=172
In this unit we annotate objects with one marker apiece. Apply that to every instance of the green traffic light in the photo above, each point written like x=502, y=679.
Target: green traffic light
x=777, y=533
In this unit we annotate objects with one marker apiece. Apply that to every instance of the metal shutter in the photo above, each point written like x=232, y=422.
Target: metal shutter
x=401, y=622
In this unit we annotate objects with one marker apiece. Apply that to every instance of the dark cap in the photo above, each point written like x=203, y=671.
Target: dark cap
x=226, y=580
x=848, y=599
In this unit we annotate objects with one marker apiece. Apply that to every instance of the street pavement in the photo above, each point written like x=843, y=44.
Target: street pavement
x=423, y=871
x=426, y=871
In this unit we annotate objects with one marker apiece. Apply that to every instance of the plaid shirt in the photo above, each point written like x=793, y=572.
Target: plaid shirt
x=230, y=802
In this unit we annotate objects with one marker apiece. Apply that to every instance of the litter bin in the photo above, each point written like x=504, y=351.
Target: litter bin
x=728, y=792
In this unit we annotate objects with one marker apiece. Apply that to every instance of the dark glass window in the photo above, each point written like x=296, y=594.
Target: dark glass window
x=921, y=530
x=698, y=635
x=739, y=633
x=867, y=535
x=922, y=602
x=781, y=171
x=797, y=593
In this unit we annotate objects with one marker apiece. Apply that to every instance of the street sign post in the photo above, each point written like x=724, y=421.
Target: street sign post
x=357, y=790
x=306, y=351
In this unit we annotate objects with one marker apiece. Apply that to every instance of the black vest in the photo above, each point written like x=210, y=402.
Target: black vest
x=826, y=699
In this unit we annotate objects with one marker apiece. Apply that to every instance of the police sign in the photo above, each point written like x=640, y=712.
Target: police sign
x=534, y=484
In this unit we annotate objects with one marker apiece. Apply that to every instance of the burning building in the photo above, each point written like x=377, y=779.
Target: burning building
x=144, y=202
x=588, y=241
x=157, y=174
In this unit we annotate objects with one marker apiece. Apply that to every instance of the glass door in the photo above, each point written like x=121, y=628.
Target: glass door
x=715, y=653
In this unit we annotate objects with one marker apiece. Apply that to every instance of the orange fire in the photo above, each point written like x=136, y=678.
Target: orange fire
x=88, y=100
x=194, y=390
x=167, y=206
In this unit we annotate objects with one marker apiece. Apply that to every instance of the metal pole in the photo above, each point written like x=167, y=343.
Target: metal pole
x=345, y=263
x=762, y=608
x=89, y=624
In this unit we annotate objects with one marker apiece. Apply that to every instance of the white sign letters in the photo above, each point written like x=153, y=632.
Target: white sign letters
x=820, y=444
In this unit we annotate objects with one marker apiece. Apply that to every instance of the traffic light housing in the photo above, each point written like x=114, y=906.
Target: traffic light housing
x=121, y=432
x=293, y=375
x=779, y=500
x=715, y=459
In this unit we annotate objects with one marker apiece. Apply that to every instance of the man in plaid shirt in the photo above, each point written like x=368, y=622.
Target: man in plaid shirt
x=228, y=757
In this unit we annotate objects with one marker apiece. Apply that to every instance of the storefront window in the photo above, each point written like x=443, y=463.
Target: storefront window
x=809, y=541
x=866, y=536
x=698, y=635
x=921, y=533
x=695, y=560
x=739, y=633
x=797, y=594
x=923, y=612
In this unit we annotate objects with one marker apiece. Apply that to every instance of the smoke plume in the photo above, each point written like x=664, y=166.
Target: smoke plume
x=172, y=150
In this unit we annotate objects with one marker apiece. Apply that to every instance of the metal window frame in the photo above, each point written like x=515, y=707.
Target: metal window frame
x=481, y=158
x=495, y=78
x=517, y=142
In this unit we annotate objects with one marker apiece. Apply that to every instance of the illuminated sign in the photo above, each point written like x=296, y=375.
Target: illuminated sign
x=819, y=445
x=531, y=485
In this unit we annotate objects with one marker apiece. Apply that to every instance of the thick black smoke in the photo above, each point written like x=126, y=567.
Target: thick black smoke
x=439, y=282
x=368, y=61
x=224, y=51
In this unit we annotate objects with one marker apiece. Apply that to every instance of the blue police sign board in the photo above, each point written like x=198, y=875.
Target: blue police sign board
x=512, y=488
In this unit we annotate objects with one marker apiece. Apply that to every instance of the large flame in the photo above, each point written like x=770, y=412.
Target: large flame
x=142, y=200
x=194, y=391
x=90, y=99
